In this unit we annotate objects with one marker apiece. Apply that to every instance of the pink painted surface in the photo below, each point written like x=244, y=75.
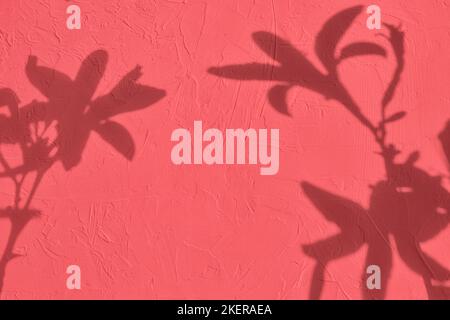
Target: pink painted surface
x=148, y=229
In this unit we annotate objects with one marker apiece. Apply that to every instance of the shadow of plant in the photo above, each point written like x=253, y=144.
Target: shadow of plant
x=409, y=206
x=70, y=108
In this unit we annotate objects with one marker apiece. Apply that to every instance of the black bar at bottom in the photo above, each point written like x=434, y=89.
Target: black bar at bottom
x=224, y=309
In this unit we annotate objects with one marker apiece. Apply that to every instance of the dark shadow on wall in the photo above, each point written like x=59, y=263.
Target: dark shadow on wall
x=72, y=111
x=409, y=208
x=409, y=205
x=293, y=69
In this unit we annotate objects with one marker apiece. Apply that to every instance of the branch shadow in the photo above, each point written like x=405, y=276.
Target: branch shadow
x=71, y=109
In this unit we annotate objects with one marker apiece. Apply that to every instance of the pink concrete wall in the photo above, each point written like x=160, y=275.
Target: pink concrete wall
x=148, y=229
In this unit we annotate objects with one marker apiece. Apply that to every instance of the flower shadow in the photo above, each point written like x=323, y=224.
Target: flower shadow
x=71, y=109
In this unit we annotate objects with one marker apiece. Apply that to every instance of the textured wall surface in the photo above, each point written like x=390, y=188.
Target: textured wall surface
x=144, y=228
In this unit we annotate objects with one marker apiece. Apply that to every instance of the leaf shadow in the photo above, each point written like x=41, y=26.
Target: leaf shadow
x=293, y=69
